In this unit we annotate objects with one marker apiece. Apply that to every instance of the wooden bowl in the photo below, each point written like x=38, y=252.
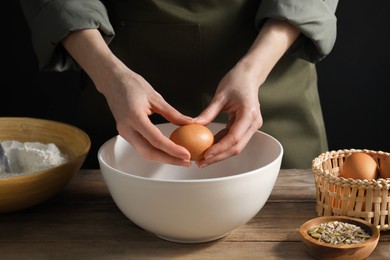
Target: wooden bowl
x=323, y=250
x=20, y=192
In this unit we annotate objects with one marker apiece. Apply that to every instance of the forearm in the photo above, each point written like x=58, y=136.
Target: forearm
x=315, y=20
x=92, y=53
x=130, y=98
x=272, y=42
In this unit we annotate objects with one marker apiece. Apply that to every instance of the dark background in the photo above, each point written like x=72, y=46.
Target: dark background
x=354, y=80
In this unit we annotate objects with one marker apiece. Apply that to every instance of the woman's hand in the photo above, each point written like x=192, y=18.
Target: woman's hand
x=130, y=97
x=132, y=100
x=237, y=93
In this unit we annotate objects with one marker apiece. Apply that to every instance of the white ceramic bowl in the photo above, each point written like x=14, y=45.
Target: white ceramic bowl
x=191, y=205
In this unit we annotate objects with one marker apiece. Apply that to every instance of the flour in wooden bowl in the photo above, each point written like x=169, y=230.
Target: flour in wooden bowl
x=30, y=157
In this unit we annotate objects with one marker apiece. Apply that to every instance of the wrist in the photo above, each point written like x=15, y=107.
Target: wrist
x=90, y=51
x=273, y=40
x=253, y=69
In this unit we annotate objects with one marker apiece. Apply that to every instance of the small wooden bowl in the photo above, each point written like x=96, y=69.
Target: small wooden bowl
x=20, y=192
x=323, y=250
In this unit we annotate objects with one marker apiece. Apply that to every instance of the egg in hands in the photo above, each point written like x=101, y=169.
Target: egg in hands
x=195, y=138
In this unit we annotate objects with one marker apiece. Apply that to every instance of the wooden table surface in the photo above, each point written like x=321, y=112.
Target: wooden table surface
x=82, y=222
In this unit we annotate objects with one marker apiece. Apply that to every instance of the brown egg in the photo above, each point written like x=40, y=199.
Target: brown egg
x=360, y=165
x=384, y=167
x=195, y=138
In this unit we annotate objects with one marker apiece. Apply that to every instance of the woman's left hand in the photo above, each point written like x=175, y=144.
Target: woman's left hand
x=237, y=95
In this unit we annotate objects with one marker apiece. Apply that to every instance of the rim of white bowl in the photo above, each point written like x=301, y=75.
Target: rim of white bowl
x=238, y=175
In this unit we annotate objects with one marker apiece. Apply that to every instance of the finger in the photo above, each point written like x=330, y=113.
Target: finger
x=161, y=142
x=150, y=152
x=225, y=154
x=232, y=141
x=210, y=112
x=142, y=125
x=171, y=114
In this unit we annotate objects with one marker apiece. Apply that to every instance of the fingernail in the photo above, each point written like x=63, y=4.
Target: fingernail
x=202, y=164
x=185, y=158
x=208, y=156
x=186, y=163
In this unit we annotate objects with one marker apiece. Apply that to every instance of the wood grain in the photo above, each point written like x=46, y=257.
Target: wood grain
x=83, y=222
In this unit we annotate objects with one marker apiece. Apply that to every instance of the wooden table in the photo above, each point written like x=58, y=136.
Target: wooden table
x=82, y=222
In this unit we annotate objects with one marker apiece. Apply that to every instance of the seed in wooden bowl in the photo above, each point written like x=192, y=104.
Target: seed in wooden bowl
x=338, y=232
x=341, y=251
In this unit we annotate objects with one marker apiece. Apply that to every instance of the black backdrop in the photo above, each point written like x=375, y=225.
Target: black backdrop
x=354, y=80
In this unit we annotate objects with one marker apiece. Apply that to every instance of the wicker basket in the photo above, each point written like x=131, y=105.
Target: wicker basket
x=367, y=200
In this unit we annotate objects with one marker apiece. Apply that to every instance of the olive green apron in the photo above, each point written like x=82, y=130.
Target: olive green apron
x=184, y=48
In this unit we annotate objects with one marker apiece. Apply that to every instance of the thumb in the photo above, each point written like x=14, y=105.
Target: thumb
x=173, y=115
x=209, y=113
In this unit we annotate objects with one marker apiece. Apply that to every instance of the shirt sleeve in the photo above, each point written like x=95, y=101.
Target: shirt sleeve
x=314, y=18
x=50, y=21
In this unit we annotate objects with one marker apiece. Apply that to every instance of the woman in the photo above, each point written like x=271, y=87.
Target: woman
x=194, y=62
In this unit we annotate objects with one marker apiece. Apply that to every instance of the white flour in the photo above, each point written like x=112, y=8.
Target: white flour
x=29, y=157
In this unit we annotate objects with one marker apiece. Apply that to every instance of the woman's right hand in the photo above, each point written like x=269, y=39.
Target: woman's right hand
x=130, y=97
x=132, y=100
